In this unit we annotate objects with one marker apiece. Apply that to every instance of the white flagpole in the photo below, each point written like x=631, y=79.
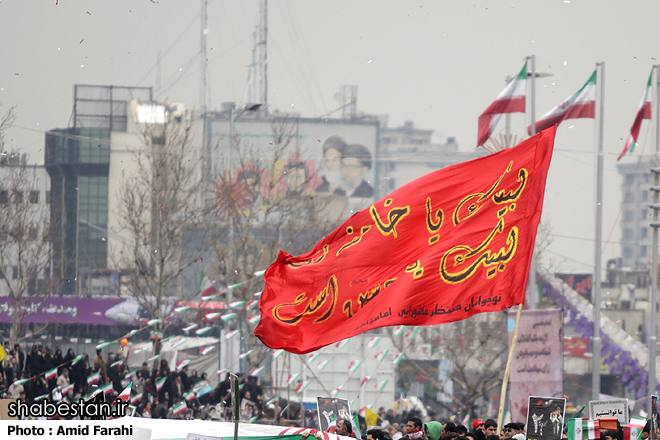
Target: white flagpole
x=595, y=374
x=654, y=264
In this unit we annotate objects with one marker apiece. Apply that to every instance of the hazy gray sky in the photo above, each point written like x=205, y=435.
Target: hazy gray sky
x=438, y=63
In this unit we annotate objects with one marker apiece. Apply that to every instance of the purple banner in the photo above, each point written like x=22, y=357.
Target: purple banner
x=61, y=310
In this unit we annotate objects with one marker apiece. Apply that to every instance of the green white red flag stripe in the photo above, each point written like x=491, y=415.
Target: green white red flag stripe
x=364, y=381
x=373, y=342
x=206, y=350
x=103, y=345
x=153, y=358
x=277, y=353
x=190, y=327
x=510, y=100
x=67, y=388
x=582, y=104
x=179, y=408
x=93, y=378
x=380, y=356
x=206, y=288
x=634, y=429
x=160, y=383
x=397, y=359
x=231, y=334
x=644, y=112
x=140, y=350
x=182, y=364
x=581, y=429
x=341, y=344
x=136, y=398
x=257, y=371
x=76, y=359
x=202, y=331
x=292, y=378
x=301, y=386
x=190, y=395
x=380, y=386
x=354, y=365
x=125, y=394
x=312, y=357
x=21, y=381
x=51, y=374
x=336, y=390
x=246, y=354
x=322, y=364
x=179, y=343
x=107, y=388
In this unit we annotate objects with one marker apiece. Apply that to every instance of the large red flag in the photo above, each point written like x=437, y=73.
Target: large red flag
x=444, y=247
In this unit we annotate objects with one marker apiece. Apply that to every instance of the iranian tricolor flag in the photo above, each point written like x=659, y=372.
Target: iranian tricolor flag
x=136, y=398
x=301, y=386
x=644, y=112
x=51, y=374
x=107, y=388
x=511, y=100
x=634, y=429
x=67, y=388
x=207, y=288
x=93, y=378
x=582, y=104
x=580, y=429
x=179, y=408
x=160, y=383
x=124, y=395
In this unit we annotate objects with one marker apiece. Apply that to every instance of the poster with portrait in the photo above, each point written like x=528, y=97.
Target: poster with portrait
x=545, y=418
x=331, y=410
x=273, y=160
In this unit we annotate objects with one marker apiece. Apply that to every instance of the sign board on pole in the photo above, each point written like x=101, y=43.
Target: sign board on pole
x=330, y=411
x=545, y=418
x=612, y=409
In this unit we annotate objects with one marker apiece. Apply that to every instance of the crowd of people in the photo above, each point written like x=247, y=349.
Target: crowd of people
x=154, y=393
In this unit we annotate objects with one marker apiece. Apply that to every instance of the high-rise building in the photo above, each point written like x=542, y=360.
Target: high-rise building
x=78, y=161
x=635, y=213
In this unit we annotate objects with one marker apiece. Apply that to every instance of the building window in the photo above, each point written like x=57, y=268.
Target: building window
x=645, y=232
x=646, y=177
x=14, y=272
x=627, y=235
x=392, y=166
x=2, y=273
x=34, y=196
x=18, y=196
x=48, y=196
x=32, y=234
x=630, y=178
x=392, y=183
x=645, y=195
x=628, y=216
x=645, y=213
x=627, y=252
x=4, y=196
x=643, y=251
x=629, y=197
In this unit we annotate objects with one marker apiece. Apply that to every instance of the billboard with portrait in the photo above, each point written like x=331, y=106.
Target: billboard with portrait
x=298, y=157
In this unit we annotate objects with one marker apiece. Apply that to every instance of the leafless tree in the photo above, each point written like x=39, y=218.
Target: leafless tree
x=159, y=205
x=25, y=234
x=264, y=203
x=474, y=350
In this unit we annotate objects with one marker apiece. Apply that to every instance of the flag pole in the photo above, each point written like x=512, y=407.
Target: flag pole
x=532, y=103
x=596, y=346
x=654, y=264
x=507, y=370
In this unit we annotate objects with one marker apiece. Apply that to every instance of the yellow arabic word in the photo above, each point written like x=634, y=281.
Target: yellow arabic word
x=312, y=306
x=364, y=298
x=311, y=260
x=355, y=241
x=394, y=216
x=481, y=256
x=416, y=269
x=433, y=221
